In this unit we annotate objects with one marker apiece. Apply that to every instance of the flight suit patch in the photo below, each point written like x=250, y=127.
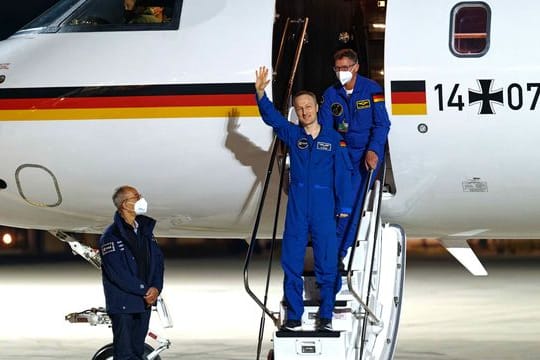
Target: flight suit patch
x=337, y=109
x=324, y=146
x=343, y=126
x=363, y=104
x=302, y=143
x=107, y=248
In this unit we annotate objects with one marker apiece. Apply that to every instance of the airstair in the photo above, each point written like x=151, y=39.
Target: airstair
x=366, y=315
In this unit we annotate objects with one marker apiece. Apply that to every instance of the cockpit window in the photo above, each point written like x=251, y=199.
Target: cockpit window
x=470, y=29
x=108, y=15
x=50, y=18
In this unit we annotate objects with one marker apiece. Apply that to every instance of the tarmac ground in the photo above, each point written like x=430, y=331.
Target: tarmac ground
x=447, y=313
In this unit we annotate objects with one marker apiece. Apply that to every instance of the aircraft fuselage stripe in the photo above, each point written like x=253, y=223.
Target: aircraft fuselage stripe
x=129, y=113
x=127, y=102
x=127, y=90
x=409, y=109
x=416, y=97
x=408, y=85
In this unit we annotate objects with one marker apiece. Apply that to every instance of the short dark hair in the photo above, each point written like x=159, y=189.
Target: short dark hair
x=305, y=92
x=348, y=53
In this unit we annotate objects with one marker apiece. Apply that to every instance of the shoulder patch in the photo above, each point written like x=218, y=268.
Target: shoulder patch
x=378, y=97
x=342, y=143
x=107, y=248
x=337, y=109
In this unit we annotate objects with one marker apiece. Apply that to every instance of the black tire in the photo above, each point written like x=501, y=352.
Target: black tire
x=106, y=352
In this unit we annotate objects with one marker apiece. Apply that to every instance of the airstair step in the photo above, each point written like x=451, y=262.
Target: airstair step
x=300, y=345
x=311, y=273
x=338, y=303
x=307, y=334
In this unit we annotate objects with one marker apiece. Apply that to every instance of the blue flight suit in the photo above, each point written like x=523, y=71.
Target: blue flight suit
x=362, y=120
x=319, y=190
x=131, y=263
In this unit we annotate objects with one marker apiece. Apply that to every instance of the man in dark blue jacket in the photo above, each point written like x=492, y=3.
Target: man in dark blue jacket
x=355, y=108
x=319, y=191
x=132, y=269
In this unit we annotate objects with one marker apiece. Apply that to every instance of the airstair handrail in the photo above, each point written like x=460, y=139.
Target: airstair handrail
x=281, y=47
x=275, y=146
x=357, y=296
x=376, y=194
x=377, y=207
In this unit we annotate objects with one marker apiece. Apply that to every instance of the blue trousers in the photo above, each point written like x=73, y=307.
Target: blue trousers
x=129, y=332
x=347, y=227
x=319, y=221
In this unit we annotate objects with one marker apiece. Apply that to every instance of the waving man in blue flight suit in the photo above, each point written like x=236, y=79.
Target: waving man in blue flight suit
x=355, y=108
x=319, y=192
x=132, y=269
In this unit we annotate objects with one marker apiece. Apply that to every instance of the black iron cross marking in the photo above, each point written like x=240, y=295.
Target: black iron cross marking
x=486, y=96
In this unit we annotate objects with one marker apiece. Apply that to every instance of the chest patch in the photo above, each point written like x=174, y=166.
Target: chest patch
x=343, y=126
x=337, y=109
x=324, y=146
x=302, y=143
x=107, y=248
x=363, y=104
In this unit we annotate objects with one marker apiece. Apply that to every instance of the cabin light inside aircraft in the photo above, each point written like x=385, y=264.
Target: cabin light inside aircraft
x=378, y=26
x=381, y=72
x=381, y=3
x=7, y=239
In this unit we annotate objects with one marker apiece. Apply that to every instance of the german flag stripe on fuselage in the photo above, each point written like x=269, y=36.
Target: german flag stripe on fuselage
x=408, y=97
x=123, y=102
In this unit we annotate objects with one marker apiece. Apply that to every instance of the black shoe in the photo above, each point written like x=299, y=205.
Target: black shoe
x=292, y=325
x=325, y=324
x=340, y=264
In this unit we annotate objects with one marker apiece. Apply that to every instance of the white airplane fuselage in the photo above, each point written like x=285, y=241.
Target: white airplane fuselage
x=473, y=172
x=173, y=113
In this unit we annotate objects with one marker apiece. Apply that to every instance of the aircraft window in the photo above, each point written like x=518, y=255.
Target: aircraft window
x=109, y=15
x=52, y=16
x=470, y=30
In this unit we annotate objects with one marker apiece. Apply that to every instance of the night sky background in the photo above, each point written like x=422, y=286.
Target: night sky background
x=14, y=15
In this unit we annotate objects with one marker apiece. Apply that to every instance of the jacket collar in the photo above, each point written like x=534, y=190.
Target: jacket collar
x=146, y=224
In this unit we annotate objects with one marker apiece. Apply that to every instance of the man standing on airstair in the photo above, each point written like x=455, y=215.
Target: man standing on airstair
x=355, y=107
x=319, y=192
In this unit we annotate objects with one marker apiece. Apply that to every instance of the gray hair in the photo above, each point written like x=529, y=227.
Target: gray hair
x=348, y=53
x=119, y=195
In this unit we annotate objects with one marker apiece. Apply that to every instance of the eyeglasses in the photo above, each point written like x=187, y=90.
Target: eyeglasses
x=136, y=197
x=343, y=68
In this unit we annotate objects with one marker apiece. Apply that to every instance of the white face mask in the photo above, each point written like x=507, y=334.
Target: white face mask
x=140, y=207
x=344, y=76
